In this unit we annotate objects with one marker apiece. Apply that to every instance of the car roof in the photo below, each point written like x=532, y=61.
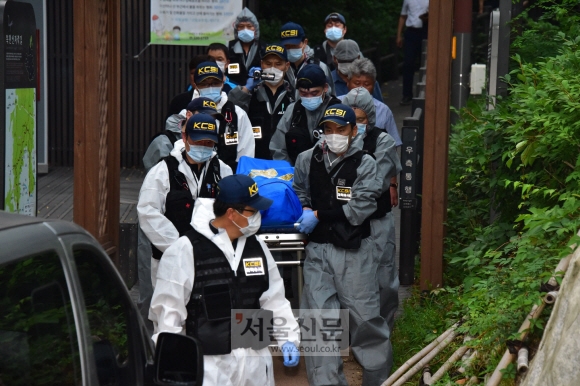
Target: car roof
x=12, y=220
x=60, y=227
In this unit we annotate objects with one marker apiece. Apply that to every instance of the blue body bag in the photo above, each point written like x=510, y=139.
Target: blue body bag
x=274, y=180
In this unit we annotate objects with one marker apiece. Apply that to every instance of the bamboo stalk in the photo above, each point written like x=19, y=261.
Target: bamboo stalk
x=410, y=362
x=447, y=365
x=423, y=362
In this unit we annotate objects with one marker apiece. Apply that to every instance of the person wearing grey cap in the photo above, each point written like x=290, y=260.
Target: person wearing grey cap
x=346, y=52
x=384, y=150
x=334, y=30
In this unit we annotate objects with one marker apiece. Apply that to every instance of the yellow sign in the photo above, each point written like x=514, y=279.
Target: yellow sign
x=249, y=264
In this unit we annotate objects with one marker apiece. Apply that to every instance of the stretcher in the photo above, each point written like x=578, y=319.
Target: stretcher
x=286, y=240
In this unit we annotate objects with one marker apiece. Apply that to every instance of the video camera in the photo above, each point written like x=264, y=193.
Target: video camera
x=259, y=75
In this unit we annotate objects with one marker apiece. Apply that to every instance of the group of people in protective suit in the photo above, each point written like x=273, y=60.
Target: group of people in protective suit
x=199, y=258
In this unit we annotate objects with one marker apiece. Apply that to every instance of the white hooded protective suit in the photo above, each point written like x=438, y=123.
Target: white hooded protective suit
x=175, y=280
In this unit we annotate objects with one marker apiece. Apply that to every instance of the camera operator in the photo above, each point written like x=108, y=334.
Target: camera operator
x=266, y=96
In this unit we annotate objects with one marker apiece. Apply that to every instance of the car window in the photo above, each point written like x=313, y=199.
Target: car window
x=38, y=339
x=108, y=316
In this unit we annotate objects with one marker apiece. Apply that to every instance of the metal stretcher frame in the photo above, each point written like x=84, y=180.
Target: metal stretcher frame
x=288, y=242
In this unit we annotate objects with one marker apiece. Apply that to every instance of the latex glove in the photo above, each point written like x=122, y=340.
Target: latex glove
x=291, y=354
x=251, y=83
x=307, y=221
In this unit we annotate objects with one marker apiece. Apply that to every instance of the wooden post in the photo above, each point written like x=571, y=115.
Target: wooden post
x=97, y=120
x=436, y=142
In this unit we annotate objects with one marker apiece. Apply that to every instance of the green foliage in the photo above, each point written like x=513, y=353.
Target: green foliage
x=368, y=21
x=514, y=183
x=520, y=159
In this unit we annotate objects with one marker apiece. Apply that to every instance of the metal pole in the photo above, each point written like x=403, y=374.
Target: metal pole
x=462, y=55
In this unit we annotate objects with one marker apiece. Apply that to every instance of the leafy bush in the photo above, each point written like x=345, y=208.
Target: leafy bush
x=514, y=178
x=522, y=160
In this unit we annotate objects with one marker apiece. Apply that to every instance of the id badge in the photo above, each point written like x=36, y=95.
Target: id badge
x=233, y=68
x=253, y=266
x=257, y=130
x=231, y=139
x=343, y=193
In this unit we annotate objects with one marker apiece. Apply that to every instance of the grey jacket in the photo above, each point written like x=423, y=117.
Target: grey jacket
x=365, y=189
x=386, y=157
x=161, y=146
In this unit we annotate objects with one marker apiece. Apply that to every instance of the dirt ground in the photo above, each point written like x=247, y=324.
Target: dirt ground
x=296, y=376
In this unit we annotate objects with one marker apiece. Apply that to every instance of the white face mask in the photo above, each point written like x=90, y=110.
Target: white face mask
x=337, y=143
x=254, y=223
x=222, y=66
x=278, y=75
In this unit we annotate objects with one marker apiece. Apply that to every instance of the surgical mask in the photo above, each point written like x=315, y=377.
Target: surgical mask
x=200, y=153
x=343, y=68
x=246, y=35
x=337, y=143
x=278, y=75
x=361, y=127
x=213, y=93
x=313, y=103
x=254, y=223
x=334, y=34
x=222, y=66
x=294, y=54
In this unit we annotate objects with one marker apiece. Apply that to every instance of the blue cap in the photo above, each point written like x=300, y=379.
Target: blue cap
x=203, y=105
x=335, y=16
x=201, y=127
x=241, y=189
x=291, y=33
x=206, y=70
x=311, y=75
x=340, y=114
x=275, y=49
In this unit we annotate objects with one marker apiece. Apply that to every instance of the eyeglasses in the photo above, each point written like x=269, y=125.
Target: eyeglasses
x=252, y=211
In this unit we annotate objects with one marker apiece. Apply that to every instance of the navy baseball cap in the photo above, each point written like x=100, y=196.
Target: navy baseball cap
x=201, y=127
x=310, y=76
x=206, y=70
x=241, y=189
x=292, y=33
x=340, y=114
x=203, y=105
x=335, y=16
x=275, y=49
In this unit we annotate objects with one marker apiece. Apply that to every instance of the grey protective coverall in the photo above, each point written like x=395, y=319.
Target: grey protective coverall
x=382, y=229
x=337, y=278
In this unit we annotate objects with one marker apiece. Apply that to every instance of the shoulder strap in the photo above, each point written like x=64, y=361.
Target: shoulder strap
x=370, y=141
x=177, y=180
x=193, y=236
x=229, y=116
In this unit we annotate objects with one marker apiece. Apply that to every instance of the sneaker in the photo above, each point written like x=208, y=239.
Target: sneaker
x=406, y=101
